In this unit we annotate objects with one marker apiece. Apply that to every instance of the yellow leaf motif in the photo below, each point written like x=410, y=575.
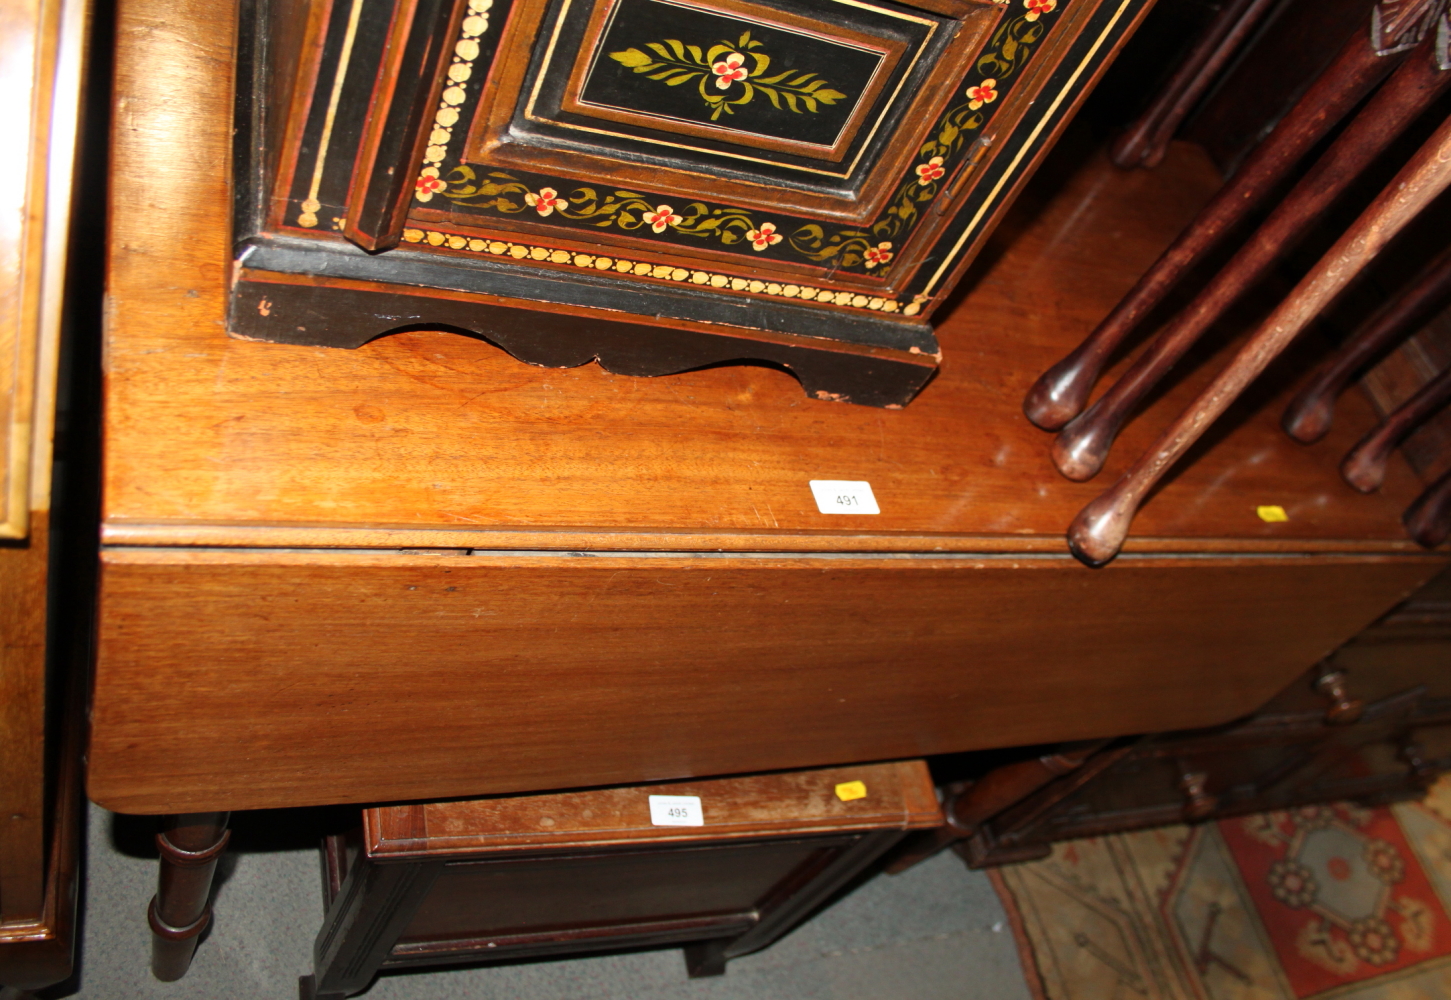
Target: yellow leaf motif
x=631, y=58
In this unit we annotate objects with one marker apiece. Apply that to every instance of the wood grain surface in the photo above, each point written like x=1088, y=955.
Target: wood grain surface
x=23, y=725
x=435, y=431
x=236, y=679
x=264, y=642
x=788, y=803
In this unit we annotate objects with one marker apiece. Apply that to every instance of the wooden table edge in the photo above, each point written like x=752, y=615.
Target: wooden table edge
x=126, y=534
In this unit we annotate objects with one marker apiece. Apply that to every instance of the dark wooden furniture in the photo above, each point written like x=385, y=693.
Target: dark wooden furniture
x=1428, y=518
x=1364, y=467
x=1082, y=446
x=1100, y=528
x=653, y=184
x=41, y=58
x=420, y=570
x=1371, y=724
x=1144, y=141
x=1062, y=391
x=548, y=875
x=1405, y=311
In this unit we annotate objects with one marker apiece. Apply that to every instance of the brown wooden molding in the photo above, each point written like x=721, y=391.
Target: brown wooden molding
x=404, y=97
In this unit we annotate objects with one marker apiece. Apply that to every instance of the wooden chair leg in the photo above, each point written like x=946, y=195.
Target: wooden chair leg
x=1364, y=467
x=1307, y=419
x=1061, y=392
x=1428, y=519
x=1098, y=532
x=1144, y=142
x=1083, y=446
x=190, y=844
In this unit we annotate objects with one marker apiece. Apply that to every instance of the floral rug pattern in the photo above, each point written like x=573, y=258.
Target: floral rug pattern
x=1321, y=902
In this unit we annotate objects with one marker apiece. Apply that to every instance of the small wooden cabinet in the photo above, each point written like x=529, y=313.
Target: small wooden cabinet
x=658, y=184
x=574, y=872
x=42, y=45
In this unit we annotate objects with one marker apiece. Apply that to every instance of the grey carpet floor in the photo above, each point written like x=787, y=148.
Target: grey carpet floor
x=936, y=932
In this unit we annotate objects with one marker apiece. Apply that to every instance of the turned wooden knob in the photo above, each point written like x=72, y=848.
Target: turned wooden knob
x=1200, y=804
x=1422, y=770
x=1343, y=708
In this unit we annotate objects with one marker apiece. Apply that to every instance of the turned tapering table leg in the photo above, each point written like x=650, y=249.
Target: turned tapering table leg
x=1098, y=532
x=1145, y=141
x=1307, y=418
x=1428, y=519
x=1083, y=446
x=190, y=846
x=1061, y=392
x=1364, y=467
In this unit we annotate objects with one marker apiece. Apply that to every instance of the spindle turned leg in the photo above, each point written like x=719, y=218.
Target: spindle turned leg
x=1307, y=419
x=1061, y=392
x=1083, y=446
x=1145, y=141
x=1098, y=532
x=1365, y=466
x=1428, y=518
x=190, y=844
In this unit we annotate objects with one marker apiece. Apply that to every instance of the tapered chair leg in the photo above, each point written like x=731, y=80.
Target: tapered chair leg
x=1307, y=419
x=190, y=844
x=1098, y=533
x=1364, y=467
x=1428, y=519
x=1083, y=446
x=1061, y=392
x=1145, y=141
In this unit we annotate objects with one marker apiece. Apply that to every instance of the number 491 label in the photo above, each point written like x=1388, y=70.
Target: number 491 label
x=676, y=810
x=843, y=496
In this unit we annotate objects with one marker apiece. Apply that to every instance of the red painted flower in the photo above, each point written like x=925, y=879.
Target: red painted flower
x=930, y=171
x=428, y=184
x=983, y=93
x=1037, y=8
x=545, y=201
x=879, y=254
x=765, y=236
x=729, y=70
x=661, y=217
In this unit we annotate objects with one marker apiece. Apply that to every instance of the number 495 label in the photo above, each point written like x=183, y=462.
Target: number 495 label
x=676, y=810
x=843, y=496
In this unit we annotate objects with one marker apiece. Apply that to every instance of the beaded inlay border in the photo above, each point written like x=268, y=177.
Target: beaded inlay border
x=663, y=272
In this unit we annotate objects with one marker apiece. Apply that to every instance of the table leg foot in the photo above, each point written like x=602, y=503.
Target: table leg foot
x=190, y=845
x=706, y=958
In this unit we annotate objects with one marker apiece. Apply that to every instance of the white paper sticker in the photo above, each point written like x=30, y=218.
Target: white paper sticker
x=676, y=810
x=842, y=496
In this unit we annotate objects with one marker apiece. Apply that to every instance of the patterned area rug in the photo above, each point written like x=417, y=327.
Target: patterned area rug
x=1326, y=901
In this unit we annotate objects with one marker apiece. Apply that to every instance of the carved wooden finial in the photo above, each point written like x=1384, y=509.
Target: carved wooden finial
x=1398, y=25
